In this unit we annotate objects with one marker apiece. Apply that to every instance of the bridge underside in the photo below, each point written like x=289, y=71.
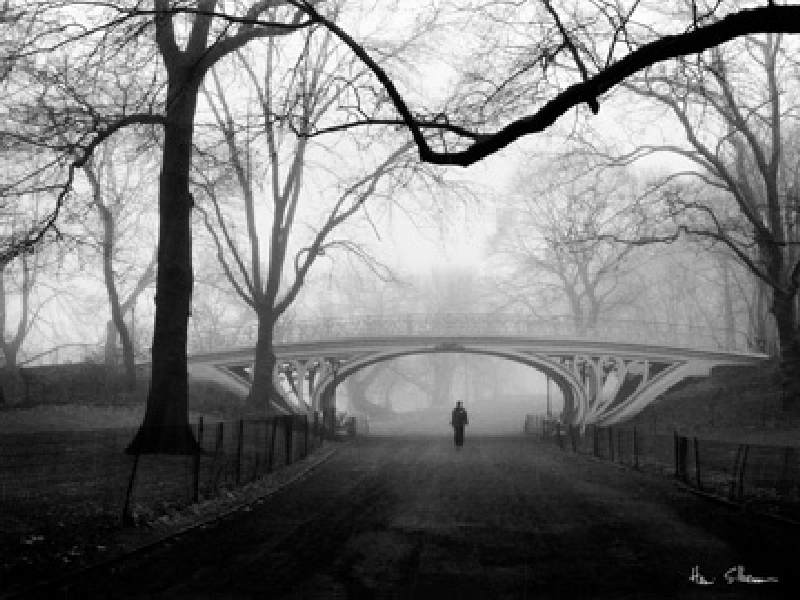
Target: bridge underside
x=602, y=383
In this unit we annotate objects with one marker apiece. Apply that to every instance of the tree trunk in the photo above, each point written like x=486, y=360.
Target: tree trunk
x=762, y=329
x=128, y=360
x=10, y=375
x=783, y=307
x=11, y=383
x=111, y=347
x=728, y=317
x=117, y=324
x=263, y=392
x=166, y=422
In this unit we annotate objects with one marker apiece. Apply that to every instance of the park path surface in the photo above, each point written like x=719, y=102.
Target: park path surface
x=501, y=518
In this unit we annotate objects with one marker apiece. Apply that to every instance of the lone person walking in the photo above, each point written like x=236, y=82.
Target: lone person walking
x=458, y=420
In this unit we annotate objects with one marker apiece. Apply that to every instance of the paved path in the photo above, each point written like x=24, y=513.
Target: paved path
x=502, y=518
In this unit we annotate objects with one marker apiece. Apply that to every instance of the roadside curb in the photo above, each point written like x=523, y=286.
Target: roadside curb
x=317, y=459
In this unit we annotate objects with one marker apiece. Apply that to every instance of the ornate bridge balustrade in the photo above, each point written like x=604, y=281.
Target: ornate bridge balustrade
x=606, y=374
x=501, y=324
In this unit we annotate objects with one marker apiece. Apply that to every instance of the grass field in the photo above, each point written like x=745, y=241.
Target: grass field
x=62, y=491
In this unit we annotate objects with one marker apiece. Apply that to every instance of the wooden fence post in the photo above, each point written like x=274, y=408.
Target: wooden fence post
x=274, y=433
x=735, y=472
x=266, y=444
x=742, y=467
x=305, y=435
x=256, y=459
x=219, y=447
x=697, y=478
x=196, y=481
x=675, y=452
x=680, y=456
x=784, y=484
x=288, y=423
x=127, y=516
x=610, y=443
x=239, y=448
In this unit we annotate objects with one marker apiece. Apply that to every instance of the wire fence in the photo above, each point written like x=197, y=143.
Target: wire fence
x=61, y=490
x=762, y=478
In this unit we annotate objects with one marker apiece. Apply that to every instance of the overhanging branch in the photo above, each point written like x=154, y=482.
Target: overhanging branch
x=772, y=18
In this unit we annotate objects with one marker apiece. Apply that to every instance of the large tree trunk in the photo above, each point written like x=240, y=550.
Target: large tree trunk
x=111, y=347
x=166, y=422
x=783, y=307
x=761, y=327
x=728, y=317
x=128, y=359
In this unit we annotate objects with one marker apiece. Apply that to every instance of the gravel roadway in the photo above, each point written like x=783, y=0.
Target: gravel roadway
x=501, y=518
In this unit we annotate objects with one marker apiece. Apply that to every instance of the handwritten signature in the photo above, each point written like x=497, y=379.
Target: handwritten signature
x=733, y=575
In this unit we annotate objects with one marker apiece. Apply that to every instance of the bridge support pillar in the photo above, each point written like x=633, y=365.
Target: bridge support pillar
x=329, y=412
x=300, y=368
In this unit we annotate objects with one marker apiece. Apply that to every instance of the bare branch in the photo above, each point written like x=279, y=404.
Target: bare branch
x=779, y=19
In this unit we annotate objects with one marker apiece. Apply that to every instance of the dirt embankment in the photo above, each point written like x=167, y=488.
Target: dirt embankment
x=734, y=403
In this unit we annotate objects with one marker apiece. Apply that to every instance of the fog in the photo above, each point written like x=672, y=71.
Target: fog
x=415, y=394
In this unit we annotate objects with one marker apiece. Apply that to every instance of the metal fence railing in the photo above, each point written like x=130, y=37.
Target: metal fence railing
x=232, y=453
x=759, y=477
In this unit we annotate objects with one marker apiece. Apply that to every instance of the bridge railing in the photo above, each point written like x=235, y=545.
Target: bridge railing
x=468, y=324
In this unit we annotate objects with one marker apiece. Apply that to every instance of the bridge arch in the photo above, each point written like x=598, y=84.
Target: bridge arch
x=574, y=393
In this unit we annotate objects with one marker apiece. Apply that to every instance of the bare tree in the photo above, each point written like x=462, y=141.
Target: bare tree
x=11, y=340
x=310, y=85
x=742, y=191
x=556, y=59
x=115, y=205
x=188, y=51
x=552, y=236
x=127, y=80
